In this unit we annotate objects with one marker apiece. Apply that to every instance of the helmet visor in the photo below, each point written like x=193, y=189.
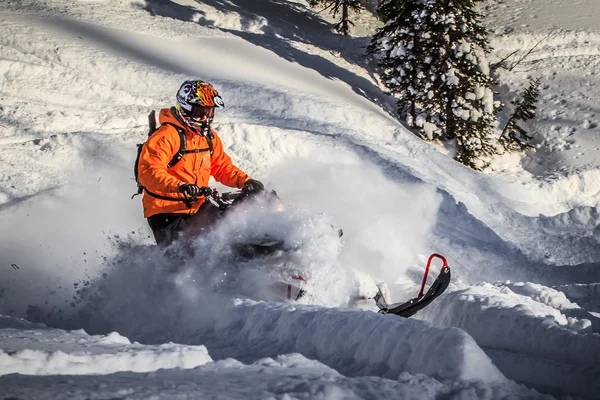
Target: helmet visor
x=200, y=113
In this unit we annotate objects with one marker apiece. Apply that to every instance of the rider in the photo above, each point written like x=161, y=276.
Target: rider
x=174, y=196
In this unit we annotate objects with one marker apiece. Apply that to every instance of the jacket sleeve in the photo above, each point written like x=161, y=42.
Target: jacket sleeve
x=156, y=153
x=222, y=169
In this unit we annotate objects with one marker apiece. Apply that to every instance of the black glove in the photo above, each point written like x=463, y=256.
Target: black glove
x=191, y=190
x=252, y=186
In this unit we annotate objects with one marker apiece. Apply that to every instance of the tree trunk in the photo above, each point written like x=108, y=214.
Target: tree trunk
x=510, y=120
x=450, y=128
x=345, y=18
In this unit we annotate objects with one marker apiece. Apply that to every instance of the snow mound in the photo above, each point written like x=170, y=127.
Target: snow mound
x=534, y=334
x=46, y=351
x=354, y=342
x=586, y=295
x=290, y=376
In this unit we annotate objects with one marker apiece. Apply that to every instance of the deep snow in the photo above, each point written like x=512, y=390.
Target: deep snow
x=304, y=115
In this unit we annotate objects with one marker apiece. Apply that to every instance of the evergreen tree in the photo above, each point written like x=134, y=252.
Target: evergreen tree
x=433, y=56
x=394, y=45
x=337, y=6
x=466, y=86
x=514, y=137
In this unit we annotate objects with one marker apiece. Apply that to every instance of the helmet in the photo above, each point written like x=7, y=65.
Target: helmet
x=196, y=103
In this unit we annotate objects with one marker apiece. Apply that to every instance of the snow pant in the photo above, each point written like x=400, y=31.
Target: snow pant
x=169, y=227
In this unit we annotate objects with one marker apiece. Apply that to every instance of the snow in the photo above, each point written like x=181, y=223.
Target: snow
x=90, y=309
x=77, y=353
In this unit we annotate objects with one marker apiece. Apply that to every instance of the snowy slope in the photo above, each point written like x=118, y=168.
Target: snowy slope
x=305, y=117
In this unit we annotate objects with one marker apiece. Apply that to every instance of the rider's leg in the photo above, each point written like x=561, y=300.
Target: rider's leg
x=167, y=227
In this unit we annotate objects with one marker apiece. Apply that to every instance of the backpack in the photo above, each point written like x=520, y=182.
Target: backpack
x=152, y=127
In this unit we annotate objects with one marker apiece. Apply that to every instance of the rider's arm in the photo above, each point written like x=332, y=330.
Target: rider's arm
x=157, y=152
x=222, y=169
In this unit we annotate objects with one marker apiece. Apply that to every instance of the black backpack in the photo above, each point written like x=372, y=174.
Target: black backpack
x=152, y=127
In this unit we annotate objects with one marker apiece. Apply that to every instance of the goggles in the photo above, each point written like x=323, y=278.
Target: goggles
x=200, y=113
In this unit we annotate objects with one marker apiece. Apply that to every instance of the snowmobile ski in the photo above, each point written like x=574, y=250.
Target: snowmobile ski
x=411, y=307
x=300, y=292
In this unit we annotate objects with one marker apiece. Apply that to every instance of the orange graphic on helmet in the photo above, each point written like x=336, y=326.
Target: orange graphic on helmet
x=206, y=94
x=198, y=93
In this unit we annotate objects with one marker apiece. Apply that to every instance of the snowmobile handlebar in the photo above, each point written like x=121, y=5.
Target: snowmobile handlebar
x=224, y=200
x=230, y=196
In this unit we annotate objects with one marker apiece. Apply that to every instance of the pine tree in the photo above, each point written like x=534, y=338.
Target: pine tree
x=466, y=87
x=514, y=137
x=433, y=56
x=393, y=44
x=337, y=6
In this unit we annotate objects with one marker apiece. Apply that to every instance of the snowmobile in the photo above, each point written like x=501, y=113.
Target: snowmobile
x=265, y=246
x=253, y=247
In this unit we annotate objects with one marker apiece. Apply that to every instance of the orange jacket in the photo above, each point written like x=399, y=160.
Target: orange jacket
x=196, y=168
